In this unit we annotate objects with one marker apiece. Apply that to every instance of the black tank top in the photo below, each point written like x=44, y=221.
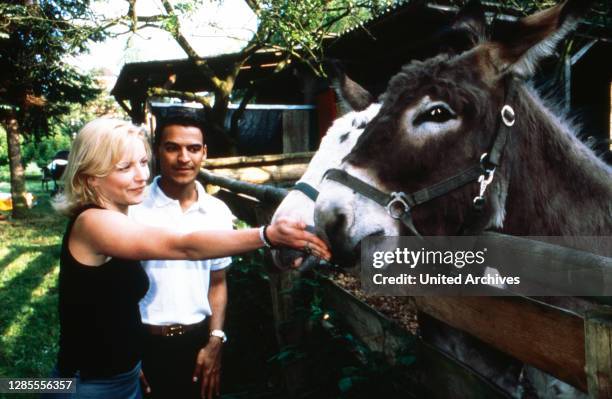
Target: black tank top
x=100, y=327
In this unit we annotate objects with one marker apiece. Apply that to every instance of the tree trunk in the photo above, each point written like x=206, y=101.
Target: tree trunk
x=220, y=143
x=18, y=188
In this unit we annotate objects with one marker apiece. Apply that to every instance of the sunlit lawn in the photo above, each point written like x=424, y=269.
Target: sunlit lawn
x=29, y=262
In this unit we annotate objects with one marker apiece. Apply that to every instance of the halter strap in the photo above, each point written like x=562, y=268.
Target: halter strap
x=403, y=200
x=504, y=125
x=307, y=190
x=413, y=199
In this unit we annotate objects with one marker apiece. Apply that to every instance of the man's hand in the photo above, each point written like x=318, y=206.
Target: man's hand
x=208, y=368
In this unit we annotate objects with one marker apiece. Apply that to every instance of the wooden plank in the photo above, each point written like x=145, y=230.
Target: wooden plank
x=563, y=266
x=265, y=174
x=598, y=347
x=544, y=336
x=257, y=160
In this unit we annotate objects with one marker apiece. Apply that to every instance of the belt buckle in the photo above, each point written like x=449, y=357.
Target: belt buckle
x=174, y=329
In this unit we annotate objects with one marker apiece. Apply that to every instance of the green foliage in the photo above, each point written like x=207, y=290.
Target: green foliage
x=41, y=149
x=249, y=324
x=298, y=28
x=42, y=152
x=5, y=174
x=36, y=81
x=335, y=363
x=37, y=84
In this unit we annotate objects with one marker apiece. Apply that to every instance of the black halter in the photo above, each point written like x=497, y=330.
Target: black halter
x=400, y=204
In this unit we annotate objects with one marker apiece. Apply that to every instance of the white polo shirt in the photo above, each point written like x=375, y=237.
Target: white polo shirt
x=178, y=290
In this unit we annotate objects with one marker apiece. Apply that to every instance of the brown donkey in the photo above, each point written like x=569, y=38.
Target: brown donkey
x=437, y=120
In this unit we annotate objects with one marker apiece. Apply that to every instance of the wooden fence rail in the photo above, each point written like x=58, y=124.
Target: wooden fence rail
x=261, y=169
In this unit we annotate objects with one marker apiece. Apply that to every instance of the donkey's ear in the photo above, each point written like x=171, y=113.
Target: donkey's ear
x=471, y=19
x=521, y=47
x=348, y=90
x=465, y=32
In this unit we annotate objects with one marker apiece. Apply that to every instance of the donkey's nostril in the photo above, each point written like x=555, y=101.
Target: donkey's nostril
x=335, y=226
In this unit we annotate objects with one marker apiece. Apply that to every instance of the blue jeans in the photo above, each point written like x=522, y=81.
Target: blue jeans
x=121, y=386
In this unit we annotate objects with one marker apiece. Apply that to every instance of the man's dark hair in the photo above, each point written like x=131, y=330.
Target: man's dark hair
x=181, y=116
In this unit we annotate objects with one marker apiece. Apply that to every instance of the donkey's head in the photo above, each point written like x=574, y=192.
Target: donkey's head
x=438, y=117
x=299, y=203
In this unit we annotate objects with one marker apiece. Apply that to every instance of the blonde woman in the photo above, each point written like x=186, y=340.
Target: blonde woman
x=101, y=280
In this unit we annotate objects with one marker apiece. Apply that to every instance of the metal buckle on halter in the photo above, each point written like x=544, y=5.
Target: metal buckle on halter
x=484, y=180
x=397, y=199
x=488, y=170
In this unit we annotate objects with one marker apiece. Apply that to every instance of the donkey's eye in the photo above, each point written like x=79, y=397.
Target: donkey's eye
x=438, y=113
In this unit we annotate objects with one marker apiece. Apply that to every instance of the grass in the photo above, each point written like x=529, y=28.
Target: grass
x=29, y=265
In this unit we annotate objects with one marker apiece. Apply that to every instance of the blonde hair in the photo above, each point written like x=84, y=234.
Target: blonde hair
x=98, y=147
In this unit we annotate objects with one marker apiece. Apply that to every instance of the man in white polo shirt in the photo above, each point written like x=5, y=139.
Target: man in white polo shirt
x=184, y=309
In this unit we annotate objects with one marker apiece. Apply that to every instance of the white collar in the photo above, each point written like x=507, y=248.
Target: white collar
x=160, y=199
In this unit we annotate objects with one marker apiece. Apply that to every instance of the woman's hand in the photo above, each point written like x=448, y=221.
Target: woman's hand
x=292, y=233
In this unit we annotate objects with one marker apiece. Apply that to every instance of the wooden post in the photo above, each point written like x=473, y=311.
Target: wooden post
x=296, y=130
x=598, y=352
x=289, y=329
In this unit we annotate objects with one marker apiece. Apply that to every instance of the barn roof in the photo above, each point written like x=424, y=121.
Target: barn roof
x=135, y=78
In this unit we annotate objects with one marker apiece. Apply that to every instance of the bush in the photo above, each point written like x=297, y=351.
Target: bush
x=43, y=151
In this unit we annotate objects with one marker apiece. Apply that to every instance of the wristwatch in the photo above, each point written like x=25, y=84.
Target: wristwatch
x=219, y=334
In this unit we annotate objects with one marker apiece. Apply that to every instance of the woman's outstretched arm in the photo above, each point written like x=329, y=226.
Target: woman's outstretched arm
x=100, y=233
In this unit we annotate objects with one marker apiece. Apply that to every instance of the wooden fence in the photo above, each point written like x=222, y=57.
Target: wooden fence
x=568, y=338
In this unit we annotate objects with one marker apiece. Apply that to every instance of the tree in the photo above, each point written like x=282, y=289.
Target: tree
x=64, y=127
x=36, y=84
x=296, y=29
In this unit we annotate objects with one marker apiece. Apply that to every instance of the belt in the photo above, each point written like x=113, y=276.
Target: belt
x=173, y=330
